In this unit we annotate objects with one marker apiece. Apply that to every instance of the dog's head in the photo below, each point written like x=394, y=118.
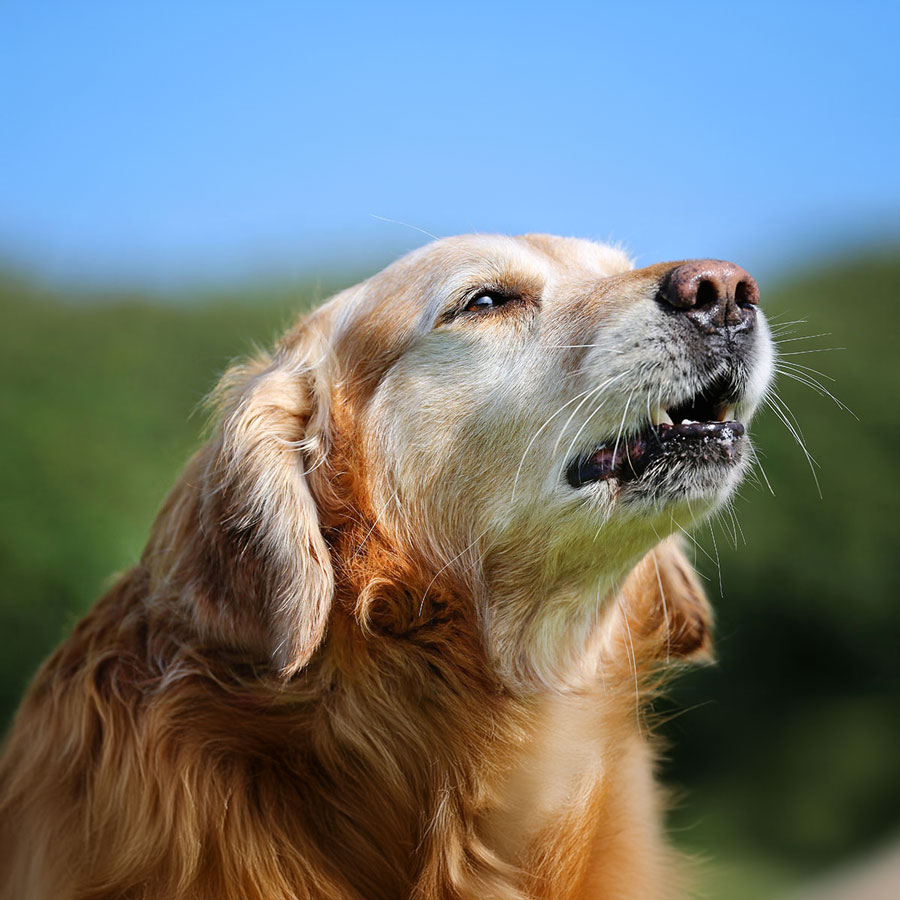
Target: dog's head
x=525, y=417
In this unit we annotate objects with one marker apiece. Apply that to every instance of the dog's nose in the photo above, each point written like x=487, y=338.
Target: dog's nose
x=715, y=295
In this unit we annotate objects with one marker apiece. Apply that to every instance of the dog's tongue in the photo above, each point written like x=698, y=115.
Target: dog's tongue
x=628, y=455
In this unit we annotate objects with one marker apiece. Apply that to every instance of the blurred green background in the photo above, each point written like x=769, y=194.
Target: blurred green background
x=784, y=756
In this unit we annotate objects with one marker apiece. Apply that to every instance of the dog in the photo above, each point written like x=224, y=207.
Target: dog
x=396, y=624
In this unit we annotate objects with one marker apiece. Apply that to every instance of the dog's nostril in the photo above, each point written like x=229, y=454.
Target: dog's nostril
x=745, y=294
x=707, y=293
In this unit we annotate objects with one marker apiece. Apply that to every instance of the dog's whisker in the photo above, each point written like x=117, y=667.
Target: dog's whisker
x=434, y=237
x=447, y=566
x=775, y=404
x=801, y=368
x=662, y=594
x=633, y=662
x=728, y=510
x=692, y=539
x=606, y=350
x=712, y=535
x=598, y=389
x=789, y=370
x=373, y=526
x=537, y=433
x=806, y=337
x=587, y=420
x=622, y=424
x=815, y=350
x=779, y=324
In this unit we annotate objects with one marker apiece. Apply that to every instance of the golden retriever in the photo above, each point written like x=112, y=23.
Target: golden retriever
x=392, y=629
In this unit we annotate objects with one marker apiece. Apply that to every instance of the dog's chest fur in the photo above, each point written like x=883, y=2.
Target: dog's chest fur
x=560, y=761
x=580, y=789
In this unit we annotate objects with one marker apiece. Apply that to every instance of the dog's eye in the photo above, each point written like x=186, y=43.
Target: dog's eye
x=487, y=300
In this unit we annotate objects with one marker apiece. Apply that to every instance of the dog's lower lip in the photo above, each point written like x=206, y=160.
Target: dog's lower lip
x=700, y=429
x=628, y=459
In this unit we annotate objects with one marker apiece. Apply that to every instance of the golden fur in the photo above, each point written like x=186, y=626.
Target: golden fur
x=348, y=664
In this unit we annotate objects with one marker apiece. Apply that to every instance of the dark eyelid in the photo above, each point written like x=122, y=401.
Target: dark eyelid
x=459, y=309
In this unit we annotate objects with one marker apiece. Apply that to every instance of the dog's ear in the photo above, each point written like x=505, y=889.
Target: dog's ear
x=667, y=606
x=240, y=534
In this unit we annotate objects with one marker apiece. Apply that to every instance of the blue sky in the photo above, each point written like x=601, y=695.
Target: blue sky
x=167, y=141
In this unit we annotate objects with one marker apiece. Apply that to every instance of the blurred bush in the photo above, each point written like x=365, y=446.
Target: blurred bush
x=787, y=750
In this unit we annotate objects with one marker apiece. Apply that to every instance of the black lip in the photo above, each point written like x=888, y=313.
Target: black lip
x=630, y=459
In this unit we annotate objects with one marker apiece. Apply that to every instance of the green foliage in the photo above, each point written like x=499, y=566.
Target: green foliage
x=787, y=749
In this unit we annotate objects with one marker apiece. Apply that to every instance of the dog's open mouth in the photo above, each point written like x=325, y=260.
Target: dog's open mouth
x=702, y=429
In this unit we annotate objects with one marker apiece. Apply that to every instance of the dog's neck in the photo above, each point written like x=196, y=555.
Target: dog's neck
x=527, y=774
x=581, y=778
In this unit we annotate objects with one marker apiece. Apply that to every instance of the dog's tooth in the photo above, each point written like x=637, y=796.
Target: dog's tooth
x=729, y=414
x=688, y=421
x=659, y=416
